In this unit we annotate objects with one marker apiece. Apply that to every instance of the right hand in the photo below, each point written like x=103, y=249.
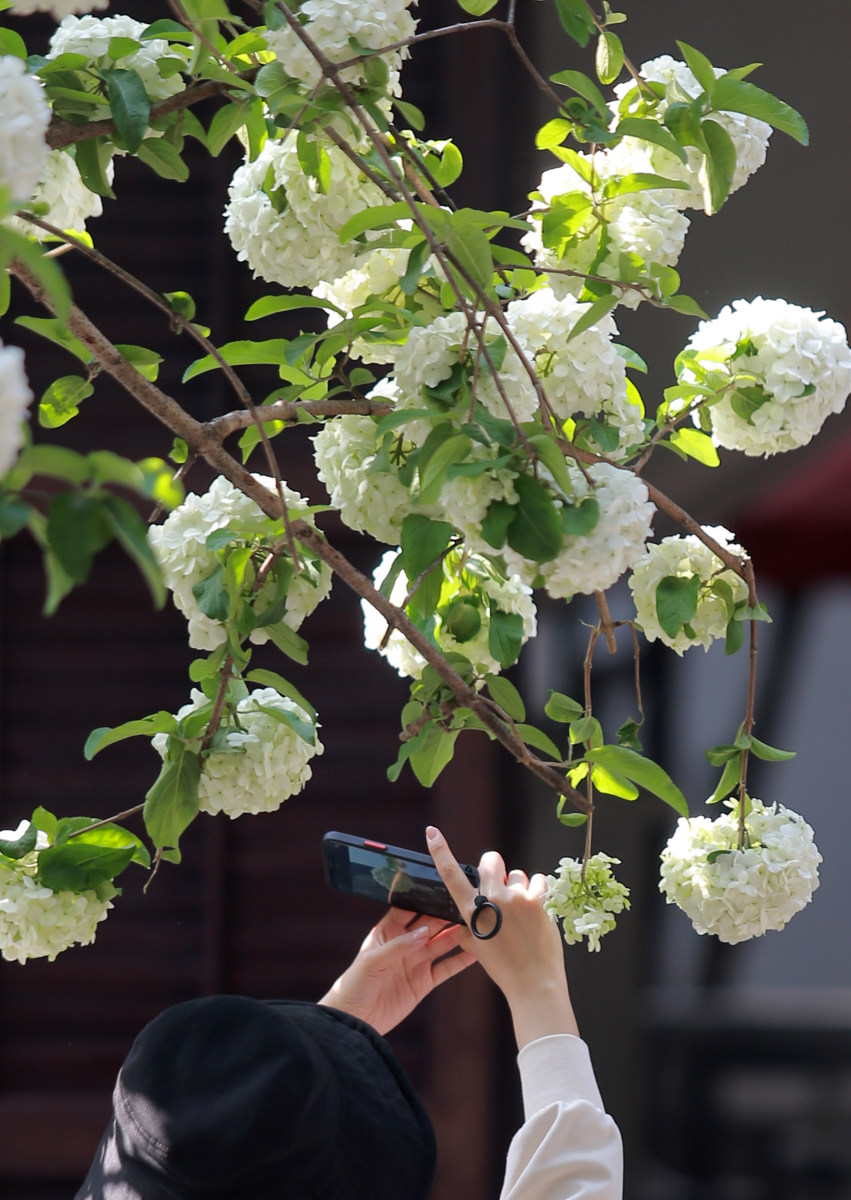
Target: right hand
x=526, y=958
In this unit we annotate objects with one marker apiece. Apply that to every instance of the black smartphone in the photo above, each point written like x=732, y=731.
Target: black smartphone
x=390, y=875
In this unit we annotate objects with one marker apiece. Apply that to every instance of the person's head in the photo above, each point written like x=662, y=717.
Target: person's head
x=228, y=1098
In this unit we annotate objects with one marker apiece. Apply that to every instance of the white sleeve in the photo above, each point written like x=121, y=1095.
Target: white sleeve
x=568, y=1147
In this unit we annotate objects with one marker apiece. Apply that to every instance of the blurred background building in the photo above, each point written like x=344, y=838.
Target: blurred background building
x=728, y=1068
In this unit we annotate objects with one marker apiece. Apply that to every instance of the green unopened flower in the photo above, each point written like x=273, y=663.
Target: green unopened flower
x=586, y=907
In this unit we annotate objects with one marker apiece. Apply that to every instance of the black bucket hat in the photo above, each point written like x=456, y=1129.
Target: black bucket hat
x=227, y=1098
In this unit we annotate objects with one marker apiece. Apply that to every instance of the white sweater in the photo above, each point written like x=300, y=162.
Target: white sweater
x=568, y=1148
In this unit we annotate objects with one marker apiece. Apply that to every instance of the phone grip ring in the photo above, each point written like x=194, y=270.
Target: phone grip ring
x=481, y=903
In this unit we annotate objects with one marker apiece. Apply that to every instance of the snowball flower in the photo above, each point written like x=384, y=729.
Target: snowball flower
x=748, y=134
x=432, y=351
x=373, y=502
x=58, y=9
x=69, y=202
x=36, y=922
x=284, y=227
x=594, y=561
x=179, y=545
x=684, y=558
x=800, y=360
x=24, y=118
x=331, y=23
x=264, y=760
x=740, y=894
x=15, y=397
x=91, y=36
x=644, y=223
x=465, y=578
x=377, y=272
x=586, y=907
x=584, y=376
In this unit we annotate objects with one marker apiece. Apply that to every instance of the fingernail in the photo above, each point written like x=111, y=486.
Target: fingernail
x=420, y=933
x=432, y=833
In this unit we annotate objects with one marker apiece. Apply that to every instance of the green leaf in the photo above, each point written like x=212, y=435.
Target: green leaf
x=683, y=120
x=434, y=750
x=62, y=399
x=612, y=783
x=78, y=830
x=470, y=247
x=417, y=260
x=274, y=680
x=477, y=8
x=572, y=819
x=699, y=65
x=593, y=315
x=423, y=541
x=718, y=755
x=212, y=595
x=735, y=636
x=225, y=123
x=730, y=94
x=46, y=270
x=628, y=735
x=80, y=867
x=537, y=738
x=505, y=636
x=130, y=531
x=640, y=770
x=696, y=445
x=496, y=521
x=587, y=89
x=12, y=43
x=76, y=531
x=268, y=306
x=98, y=739
x=131, y=108
x=506, y=696
x=449, y=450
x=586, y=729
x=172, y=802
x=413, y=115
x=14, y=515
x=720, y=165
x=769, y=753
x=244, y=353
x=578, y=520
x=374, y=218
x=93, y=156
x=304, y=729
x=676, y=602
x=163, y=158
x=25, y=844
x=58, y=333
x=576, y=20
x=609, y=57
x=535, y=531
x=561, y=708
x=45, y=821
x=288, y=642
x=729, y=781
x=552, y=456
x=553, y=133
x=651, y=131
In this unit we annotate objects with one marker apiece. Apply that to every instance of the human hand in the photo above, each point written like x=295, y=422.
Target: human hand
x=402, y=959
x=526, y=957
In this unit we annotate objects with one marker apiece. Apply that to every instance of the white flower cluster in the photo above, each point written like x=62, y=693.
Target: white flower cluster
x=587, y=907
x=69, y=202
x=739, y=894
x=35, y=921
x=284, y=226
x=330, y=24
x=432, y=351
x=58, y=9
x=685, y=557
x=648, y=223
x=374, y=502
x=179, y=545
x=377, y=271
x=264, y=761
x=800, y=358
x=15, y=397
x=91, y=36
x=594, y=561
x=748, y=134
x=585, y=377
x=24, y=117
x=465, y=577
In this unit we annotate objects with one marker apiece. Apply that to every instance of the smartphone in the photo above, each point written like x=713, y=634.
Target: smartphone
x=391, y=875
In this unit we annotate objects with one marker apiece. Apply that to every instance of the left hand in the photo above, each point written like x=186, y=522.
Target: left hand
x=401, y=960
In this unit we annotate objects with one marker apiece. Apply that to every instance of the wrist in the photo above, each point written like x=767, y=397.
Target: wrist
x=541, y=1010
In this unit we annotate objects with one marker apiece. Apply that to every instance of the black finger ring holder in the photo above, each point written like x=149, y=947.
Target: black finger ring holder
x=482, y=903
